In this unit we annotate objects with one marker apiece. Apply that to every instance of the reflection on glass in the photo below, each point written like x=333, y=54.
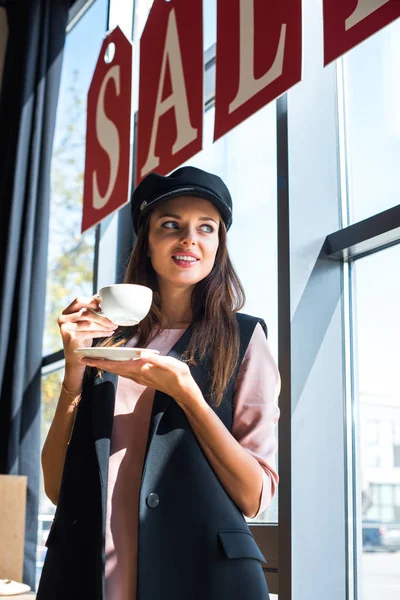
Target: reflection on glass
x=373, y=122
x=376, y=282
x=70, y=260
x=245, y=158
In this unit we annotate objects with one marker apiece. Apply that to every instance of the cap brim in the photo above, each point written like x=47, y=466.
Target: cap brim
x=196, y=191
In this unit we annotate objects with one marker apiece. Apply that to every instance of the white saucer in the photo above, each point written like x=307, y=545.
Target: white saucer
x=9, y=587
x=113, y=353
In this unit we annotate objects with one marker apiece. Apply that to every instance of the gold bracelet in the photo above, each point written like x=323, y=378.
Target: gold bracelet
x=74, y=403
x=76, y=399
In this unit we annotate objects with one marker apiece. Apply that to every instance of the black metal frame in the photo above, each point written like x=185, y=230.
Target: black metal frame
x=370, y=235
x=284, y=350
x=77, y=10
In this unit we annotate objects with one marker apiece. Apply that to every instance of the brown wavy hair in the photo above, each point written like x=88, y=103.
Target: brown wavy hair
x=215, y=300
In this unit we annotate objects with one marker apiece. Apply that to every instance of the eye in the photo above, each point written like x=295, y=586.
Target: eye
x=210, y=228
x=175, y=225
x=170, y=225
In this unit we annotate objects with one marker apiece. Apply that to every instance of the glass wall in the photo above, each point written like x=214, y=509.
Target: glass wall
x=71, y=255
x=246, y=158
x=51, y=384
x=372, y=90
x=250, y=149
x=376, y=285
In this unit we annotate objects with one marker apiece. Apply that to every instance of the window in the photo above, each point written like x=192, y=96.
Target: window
x=386, y=505
x=373, y=122
x=70, y=254
x=238, y=158
x=51, y=384
x=371, y=434
x=210, y=23
x=376, y=289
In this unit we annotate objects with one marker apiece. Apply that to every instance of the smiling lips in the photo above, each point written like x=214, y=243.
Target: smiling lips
x=185, y=260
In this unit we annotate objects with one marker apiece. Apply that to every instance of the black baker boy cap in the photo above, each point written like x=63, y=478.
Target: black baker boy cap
x=186, y=181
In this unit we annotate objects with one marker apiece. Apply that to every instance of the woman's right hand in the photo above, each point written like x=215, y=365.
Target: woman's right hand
x=80, y=323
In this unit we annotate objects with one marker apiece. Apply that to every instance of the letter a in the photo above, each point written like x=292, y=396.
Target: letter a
x=177, y=100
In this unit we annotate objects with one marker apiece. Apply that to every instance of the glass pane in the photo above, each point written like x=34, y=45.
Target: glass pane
x=376, y=284
x=375, y=493
x=142, y=9
x=209, y=23
x=388, y=514
x=51, y=385
x=386, y=494
x=70, y=260
x=239, y=158
x=371, y=432
x=372, y=458
x=373, y=122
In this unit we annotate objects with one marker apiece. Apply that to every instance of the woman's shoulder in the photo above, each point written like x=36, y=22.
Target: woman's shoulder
x=248, y=323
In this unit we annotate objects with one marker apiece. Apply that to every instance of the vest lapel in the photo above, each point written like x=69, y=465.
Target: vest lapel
x=161, y=400
x=103, y=401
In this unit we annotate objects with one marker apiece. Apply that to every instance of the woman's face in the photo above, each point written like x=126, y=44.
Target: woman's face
x=183, y=239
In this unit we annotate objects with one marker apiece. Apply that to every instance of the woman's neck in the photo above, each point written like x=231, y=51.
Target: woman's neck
x=176, y=305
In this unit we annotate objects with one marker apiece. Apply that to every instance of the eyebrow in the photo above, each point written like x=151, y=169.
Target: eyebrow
x=173, y=216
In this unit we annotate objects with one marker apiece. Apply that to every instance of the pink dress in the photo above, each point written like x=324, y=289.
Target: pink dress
x=255, y=416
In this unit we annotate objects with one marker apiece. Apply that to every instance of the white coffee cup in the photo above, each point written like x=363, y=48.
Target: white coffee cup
x=125, y=303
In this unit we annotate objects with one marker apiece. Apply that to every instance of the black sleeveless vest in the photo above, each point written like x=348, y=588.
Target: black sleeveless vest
x=193, y=541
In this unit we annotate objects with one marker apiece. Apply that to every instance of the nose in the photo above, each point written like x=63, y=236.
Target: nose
x=188, y=237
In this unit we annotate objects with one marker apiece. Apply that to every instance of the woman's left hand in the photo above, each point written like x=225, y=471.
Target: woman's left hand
x=164, y=373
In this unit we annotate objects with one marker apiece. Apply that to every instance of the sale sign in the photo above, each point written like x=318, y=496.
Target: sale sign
x=108, y=128
x=349, y=22
x=170, y=115
x=259, y=57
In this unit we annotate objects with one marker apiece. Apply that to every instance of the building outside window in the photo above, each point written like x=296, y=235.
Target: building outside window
x=376, y=282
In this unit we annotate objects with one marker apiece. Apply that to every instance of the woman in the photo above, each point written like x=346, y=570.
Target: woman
x=154, y=462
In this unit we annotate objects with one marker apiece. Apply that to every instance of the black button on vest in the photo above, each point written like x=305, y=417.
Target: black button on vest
x=152, y=500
